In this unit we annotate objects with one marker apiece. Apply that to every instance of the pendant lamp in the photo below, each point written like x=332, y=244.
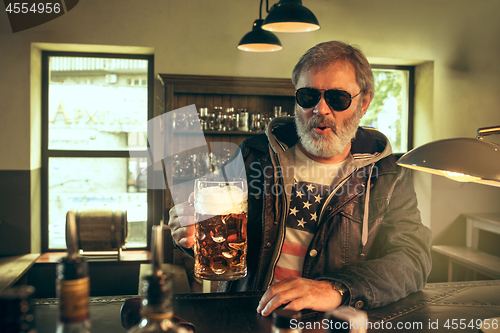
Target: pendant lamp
x=259, y=40
x=290, y=16
x=460, y=159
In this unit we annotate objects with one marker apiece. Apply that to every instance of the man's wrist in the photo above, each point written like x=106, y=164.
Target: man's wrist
x=342, y=290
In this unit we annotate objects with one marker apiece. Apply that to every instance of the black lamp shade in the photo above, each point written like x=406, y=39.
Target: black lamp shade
x=290, y=16
x=461, y=159
x=259, y=40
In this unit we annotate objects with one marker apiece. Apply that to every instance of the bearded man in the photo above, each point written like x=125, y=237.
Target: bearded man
x=332, y=220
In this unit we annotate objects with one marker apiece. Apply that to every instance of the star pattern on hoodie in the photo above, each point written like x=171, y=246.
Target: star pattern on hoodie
x=305, y=206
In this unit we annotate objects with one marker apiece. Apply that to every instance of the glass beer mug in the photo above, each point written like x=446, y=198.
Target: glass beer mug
x=220, y=246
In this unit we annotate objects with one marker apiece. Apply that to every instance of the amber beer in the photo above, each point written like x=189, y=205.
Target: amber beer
x=220, y=246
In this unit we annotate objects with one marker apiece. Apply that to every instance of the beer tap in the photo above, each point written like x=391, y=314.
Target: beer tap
x=71, y=236
x=156, y=308
x=157, y=250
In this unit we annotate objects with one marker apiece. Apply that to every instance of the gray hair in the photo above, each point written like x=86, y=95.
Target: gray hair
x=324, y=54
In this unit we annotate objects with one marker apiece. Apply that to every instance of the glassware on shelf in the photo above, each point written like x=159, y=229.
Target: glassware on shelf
x=180, y=122
x=216, y=124
x=225, y=122
x=230, y=120
x=199, y=164
x=266, y=119
x=255, y=123
x=242, y=124
x=204, y=118
x=219, y=123
x=192, y=121
x=269, y=118
x=277, y=111
x=211, y=122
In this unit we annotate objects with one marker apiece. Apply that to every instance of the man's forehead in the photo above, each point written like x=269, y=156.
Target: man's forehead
x=343, y=68
x=338, y=65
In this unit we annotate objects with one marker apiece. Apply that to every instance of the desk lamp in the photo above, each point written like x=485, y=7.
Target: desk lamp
x=460, y=159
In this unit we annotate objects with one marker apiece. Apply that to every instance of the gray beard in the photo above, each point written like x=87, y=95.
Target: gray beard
x=327, y=146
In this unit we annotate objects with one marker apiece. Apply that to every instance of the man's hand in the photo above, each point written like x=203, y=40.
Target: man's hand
x=299, y=293
x=181, y=223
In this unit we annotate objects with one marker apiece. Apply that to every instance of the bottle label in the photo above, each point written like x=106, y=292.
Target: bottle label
x=158, y=316
x=73, y=300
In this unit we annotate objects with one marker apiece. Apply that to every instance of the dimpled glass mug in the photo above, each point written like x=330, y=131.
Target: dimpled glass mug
x=220, y=246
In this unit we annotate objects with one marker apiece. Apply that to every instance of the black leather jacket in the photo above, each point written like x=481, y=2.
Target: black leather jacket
x=389, y=262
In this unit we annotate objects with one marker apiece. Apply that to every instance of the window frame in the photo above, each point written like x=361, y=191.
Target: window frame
x=411, y=99
x=153, y=197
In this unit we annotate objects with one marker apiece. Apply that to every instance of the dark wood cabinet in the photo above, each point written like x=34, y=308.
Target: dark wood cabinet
x=256, y=95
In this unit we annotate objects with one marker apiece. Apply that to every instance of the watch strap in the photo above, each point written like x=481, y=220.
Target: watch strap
x=342, y=290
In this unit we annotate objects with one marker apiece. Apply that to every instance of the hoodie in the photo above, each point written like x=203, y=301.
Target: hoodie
x=369, y=236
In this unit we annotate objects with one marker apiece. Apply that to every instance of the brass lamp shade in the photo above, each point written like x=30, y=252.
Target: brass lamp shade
x=259, y=40
x=461, y=159
x=290, y=16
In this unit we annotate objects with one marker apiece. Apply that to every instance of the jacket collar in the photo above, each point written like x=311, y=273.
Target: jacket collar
x=369, y=145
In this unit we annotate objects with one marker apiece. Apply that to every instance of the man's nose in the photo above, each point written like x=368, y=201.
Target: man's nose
x=322, y=108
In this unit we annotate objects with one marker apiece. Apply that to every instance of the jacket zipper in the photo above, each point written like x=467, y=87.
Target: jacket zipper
x=282, y=223
x=282, y=239
x=327, y=201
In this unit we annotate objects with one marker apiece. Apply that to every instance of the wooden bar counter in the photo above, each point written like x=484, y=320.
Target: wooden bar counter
x=430, y=310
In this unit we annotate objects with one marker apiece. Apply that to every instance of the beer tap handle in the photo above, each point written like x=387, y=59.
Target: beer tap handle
x=157, y=249
x=71, y=235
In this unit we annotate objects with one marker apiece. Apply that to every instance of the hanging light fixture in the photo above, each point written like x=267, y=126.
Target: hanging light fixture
x=460, y=159
x=259, y=40
x=290, y=16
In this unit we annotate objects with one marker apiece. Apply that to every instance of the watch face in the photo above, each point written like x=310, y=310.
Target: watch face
x=339, y=288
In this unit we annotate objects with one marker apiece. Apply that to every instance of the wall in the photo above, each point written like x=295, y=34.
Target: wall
x=459, y=38
x=423, y=125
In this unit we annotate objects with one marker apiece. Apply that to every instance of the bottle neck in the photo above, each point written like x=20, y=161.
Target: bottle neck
x=157, y=302
x=157, y=320
x=156, y=314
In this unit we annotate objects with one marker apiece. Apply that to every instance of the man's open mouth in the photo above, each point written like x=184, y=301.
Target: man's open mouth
x=321, y=129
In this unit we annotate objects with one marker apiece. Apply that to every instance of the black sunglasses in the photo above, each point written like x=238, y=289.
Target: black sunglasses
x=338, y=100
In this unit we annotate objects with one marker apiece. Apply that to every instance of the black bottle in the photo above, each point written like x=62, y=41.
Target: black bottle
x=156, y=310
x=16, y=310
x=72, y=286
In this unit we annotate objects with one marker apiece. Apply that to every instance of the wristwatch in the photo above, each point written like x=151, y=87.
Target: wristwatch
x=343, y=291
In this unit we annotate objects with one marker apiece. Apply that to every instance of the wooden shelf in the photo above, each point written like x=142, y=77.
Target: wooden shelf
x=229, y=85
x=478, y=261
x=14, y=267
x=187, y=132
x=140, y=256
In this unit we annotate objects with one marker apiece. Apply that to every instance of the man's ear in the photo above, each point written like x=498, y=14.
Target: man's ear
x=367, y=99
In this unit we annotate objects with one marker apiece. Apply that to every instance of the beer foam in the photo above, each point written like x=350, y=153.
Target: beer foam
x=221, y=200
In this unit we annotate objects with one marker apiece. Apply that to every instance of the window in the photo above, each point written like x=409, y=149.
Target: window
x=391, y=109
x=92, y=105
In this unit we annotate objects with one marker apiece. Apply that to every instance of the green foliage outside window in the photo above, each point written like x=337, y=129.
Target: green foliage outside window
x=388, y=111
